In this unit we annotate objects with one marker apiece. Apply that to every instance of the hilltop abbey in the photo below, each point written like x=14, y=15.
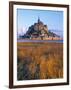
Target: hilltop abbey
x=39, y=31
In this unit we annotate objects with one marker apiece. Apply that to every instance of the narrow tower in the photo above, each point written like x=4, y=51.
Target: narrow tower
x=38, y=20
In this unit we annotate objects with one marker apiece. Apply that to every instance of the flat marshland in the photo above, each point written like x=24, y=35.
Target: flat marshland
x=42, y=60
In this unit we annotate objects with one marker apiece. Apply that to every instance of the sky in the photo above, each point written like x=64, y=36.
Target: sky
x=27, y=17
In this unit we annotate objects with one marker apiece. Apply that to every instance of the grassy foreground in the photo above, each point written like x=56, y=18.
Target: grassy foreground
x=39, y=60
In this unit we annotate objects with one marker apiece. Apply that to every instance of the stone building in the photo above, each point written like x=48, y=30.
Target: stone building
x=38, y=30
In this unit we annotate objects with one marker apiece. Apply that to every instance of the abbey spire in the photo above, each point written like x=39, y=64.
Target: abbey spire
x=38, y=20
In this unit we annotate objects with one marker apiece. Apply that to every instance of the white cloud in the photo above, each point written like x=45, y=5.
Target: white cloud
x=22, y=31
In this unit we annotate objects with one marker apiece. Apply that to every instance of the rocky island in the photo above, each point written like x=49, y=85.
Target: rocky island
x=39, y=31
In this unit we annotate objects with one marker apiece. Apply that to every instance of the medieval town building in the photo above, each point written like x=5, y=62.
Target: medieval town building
x=39, y=31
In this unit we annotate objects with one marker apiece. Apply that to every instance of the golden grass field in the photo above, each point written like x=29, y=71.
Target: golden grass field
x=39, y=60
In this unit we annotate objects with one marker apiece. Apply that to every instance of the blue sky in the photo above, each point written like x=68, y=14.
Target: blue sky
x=27, y=17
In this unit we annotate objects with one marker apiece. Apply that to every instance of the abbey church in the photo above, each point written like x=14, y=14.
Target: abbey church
x=39, y=31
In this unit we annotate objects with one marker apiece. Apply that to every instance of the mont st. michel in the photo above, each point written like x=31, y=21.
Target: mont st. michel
x=39, y=31
x=40, y=45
